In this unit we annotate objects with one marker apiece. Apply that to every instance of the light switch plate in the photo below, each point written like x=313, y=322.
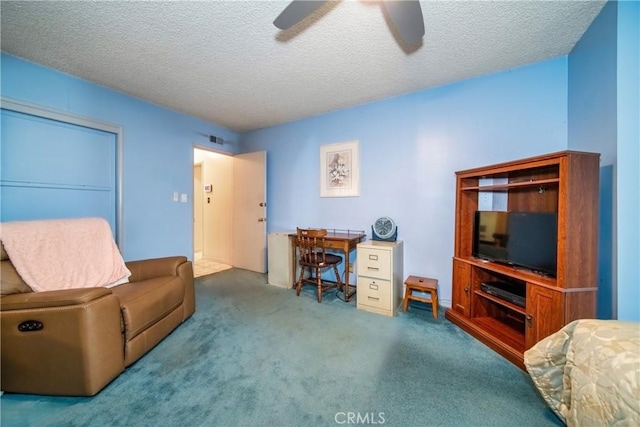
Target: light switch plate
x=183, y=197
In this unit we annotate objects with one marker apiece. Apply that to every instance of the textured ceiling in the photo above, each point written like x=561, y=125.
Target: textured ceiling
x=225, y=62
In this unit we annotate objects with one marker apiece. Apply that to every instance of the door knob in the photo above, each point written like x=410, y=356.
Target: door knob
x=529, y=320
x=263, y=204
x=262, y=219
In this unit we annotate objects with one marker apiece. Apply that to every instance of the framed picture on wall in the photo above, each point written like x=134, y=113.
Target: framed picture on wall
x=340, y=169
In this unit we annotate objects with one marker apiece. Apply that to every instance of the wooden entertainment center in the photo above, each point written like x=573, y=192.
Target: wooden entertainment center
x=566, y=183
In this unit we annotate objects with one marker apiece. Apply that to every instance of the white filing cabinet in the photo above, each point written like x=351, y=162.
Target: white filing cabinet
x=379, y=276
x=279, y=258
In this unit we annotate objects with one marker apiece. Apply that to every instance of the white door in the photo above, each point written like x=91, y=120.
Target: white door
x=250, y=211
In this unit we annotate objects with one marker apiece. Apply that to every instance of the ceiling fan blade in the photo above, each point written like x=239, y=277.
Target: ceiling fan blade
x=407, y=18
x=296, y=12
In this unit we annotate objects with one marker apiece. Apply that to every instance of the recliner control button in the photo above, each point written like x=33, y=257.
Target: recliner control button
x=30, y=325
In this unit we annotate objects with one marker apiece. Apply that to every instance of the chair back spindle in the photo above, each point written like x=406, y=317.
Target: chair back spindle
x=314, y=258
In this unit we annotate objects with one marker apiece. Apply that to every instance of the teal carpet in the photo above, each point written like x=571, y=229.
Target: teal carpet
x=257, y=355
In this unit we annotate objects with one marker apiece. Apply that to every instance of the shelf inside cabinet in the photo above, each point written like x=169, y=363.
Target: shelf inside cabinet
x=501, y=302
x=511, y=185
x=511, y=271
x=505, y=333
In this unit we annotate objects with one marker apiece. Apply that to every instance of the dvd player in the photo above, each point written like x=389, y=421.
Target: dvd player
x=506, y=291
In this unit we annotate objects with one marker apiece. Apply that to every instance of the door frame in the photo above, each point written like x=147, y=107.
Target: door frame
x=198, y=166
x=36, y=110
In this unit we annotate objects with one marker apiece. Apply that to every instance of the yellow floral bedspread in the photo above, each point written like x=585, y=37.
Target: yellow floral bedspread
x=589, y=372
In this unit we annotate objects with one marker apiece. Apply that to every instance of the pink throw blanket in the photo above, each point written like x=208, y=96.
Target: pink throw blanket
x=64, y=253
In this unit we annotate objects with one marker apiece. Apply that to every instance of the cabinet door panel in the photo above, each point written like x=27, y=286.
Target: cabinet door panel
x=461, y=287
x=544, y=313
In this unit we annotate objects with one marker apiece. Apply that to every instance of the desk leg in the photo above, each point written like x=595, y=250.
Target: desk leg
x=294, y=261
x=345, y=285
x=347, y=293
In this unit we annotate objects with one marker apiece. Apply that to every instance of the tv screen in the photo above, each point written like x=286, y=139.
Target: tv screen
x=490, y=236
x=524, y=239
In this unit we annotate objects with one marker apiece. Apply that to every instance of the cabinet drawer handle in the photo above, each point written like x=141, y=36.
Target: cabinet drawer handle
x=373, y=268
x=373, y=286
x=373, y=298
x=373, y=257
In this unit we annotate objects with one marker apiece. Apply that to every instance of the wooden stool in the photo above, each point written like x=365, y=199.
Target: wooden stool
x=421, y=284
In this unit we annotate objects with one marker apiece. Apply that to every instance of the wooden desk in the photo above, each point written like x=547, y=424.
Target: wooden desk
x=342, y=240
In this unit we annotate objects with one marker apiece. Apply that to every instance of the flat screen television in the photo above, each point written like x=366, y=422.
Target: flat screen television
x=521, y=239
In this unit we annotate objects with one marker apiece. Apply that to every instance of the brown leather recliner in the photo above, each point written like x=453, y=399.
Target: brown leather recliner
x=74, y=342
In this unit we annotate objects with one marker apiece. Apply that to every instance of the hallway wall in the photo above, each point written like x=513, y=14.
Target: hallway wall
x=217, y=205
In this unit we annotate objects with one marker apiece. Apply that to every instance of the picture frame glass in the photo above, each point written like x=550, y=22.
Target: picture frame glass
x=340, y=169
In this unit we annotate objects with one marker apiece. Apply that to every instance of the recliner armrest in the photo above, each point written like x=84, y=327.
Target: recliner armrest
x=169, y=266
x=75, y=349
x=59, y=298
x=150, y=268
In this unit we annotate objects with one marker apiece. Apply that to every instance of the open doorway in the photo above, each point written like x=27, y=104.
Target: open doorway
x=212, y=212
x=232, y=210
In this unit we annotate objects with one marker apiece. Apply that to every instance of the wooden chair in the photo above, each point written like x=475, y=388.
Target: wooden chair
x=314, y=258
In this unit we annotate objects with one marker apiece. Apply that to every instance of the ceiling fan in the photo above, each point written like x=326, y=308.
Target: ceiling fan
x=406, y=16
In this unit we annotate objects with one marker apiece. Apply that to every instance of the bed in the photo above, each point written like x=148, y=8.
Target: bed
x=589, y=372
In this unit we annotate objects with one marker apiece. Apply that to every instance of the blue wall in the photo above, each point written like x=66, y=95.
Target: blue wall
x=410, y=148
x=603, y=117
x=158, y=152
x=628, y=161
x=592, y=88
x=592, y=126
